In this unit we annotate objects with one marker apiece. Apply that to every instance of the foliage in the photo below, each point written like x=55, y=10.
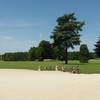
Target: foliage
x=39, y=53
x=58, y=54
x=32, y=53
x=97, y=48
x=84, y=53
x=47, y=49
x=66, y=33
x=73, y=55
x=17, y=56
x=36, y=53
x=92, y=55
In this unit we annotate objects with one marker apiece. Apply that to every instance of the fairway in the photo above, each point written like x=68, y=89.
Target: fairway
x=92, y=67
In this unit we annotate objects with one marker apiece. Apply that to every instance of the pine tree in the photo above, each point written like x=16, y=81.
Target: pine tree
x=66, y=33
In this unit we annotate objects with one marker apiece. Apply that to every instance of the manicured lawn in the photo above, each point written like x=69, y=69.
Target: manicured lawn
x=92, y=67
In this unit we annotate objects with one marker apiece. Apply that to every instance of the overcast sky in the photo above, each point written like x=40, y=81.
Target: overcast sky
x=24, y=23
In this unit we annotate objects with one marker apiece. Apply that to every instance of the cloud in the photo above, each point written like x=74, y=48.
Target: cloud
x=11, y=44
x=5, y=38
x=15, y=24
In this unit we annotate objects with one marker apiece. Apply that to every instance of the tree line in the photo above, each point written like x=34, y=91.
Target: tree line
x=16, y=56
x=45, y=50
x=65, y=35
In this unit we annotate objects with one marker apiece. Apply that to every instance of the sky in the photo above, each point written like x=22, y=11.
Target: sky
x=24, y=23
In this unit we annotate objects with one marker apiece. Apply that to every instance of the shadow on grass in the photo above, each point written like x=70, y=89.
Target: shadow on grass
x=62, y=63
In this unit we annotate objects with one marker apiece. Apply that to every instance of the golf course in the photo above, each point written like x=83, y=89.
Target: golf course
x=21, y=80
x=49, y=49
x=85, y=68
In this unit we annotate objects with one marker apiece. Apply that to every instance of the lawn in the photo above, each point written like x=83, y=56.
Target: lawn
x=92, y=67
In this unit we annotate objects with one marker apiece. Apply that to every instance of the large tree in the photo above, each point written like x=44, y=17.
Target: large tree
x=97, y=48
x=66, y=33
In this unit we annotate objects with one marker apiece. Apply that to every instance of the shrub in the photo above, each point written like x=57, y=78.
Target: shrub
x=84, y=53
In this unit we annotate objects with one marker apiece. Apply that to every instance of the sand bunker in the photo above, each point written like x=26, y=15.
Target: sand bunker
x=31, y=85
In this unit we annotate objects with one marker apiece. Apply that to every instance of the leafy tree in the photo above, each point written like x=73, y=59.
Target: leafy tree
x=39, y=53
x=84, y=53
x=66, y=33
x=32, y=54
x=47, y=49
x=97, y=48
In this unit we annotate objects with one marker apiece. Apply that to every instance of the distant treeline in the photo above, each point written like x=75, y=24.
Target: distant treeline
x=17, y=56
x=25, y=56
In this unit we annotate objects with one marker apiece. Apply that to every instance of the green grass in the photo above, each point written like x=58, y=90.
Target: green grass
x=92, y=67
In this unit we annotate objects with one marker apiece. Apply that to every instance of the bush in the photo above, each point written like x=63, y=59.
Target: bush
x=84, y=53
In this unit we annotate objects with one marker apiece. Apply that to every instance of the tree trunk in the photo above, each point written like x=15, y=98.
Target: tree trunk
x=66, y=56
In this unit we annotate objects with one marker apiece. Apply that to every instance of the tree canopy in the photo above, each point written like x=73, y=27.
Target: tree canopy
x=47, y=49
x=66, y=33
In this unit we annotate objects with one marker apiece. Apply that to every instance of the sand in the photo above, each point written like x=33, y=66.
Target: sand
x=37, y=85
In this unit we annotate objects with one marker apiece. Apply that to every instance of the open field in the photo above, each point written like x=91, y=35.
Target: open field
x=37, y=85
x=92, y=67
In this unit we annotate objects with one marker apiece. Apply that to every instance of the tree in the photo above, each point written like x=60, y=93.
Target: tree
x=58, y=54
x=47, y=49
x=84, y=53
x=32, y=54
x=66, y=33
x=39, y=53
x=97, y=48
